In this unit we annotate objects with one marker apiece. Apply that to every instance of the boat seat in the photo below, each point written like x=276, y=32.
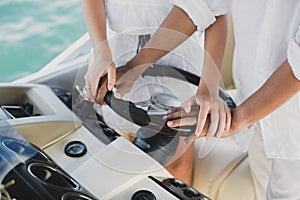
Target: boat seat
x=224, y=173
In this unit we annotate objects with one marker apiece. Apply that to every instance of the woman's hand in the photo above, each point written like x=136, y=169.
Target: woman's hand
x=102, y=66
x=211, y=107
x=125, y=78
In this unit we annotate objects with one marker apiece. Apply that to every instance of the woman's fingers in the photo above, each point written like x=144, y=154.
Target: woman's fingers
x=201, y=120
x=187, y=105
x=94, y=88
x=87, y=88
x=214, y=121
x=91, y=84
x=205, y=128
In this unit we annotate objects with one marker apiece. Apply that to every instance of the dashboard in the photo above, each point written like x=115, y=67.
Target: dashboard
x=56, y=155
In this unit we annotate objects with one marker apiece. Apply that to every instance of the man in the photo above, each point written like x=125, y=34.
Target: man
x=267, y=72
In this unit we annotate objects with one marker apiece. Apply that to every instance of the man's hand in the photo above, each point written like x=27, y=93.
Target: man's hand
x=179, y=117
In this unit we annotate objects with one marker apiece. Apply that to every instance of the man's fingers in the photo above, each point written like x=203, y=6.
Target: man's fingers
x=122, y=89
x=174, y=110
x=181, y=114
x=173, y=115
x=222, y=122
x=111, y=76
x=188, y=121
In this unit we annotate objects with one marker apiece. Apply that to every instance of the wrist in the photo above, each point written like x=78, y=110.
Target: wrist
x=101, y=48
x=210, y=90
x=240, y=118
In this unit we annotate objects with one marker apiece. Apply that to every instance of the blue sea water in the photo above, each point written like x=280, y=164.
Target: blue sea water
x=33, y=32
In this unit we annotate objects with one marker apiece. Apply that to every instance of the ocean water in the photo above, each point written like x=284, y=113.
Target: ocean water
x=33, y=32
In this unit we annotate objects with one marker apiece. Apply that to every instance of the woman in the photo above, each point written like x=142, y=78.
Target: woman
x=115, y=43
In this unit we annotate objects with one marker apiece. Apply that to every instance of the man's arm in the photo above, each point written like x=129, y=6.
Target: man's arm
x=278, y=89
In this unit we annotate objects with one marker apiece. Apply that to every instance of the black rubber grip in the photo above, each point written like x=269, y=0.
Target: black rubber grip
x=127, y=110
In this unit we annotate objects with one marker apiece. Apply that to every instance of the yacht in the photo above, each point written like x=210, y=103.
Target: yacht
x=55, y=144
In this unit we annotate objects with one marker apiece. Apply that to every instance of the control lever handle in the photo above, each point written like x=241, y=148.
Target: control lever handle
x=127, y=110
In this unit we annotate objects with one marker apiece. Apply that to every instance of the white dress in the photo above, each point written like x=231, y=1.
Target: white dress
x=127, y=19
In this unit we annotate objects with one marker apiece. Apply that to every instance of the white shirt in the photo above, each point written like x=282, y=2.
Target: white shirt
x=127, y=19
x=267, y=32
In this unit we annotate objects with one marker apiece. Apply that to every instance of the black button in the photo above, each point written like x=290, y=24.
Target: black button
x=143, y=195
x=177, y=182
x=75, y=149
x=190, y=192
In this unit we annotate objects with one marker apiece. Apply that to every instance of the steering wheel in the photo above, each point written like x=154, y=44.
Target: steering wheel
x=154, y=136
x=152, y=119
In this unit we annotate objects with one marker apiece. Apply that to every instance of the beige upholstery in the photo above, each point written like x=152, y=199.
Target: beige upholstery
x=224, y=173
x=227, y=62
x=238, y=185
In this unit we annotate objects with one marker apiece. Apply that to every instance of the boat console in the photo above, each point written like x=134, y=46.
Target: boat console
x=28, y=173
x=47, y=153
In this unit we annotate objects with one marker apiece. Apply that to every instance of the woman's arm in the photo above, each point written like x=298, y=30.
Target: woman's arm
x=95, y=20
x=207, y=95
x=175, y=29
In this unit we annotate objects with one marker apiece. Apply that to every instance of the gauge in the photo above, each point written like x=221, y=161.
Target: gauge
x=143, y=195
x=75, y=149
